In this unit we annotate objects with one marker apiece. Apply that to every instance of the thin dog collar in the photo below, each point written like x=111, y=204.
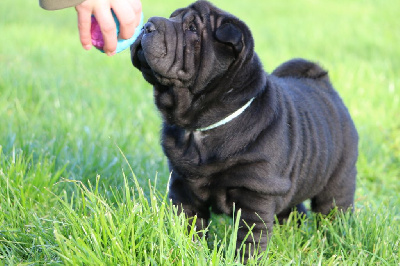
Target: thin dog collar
x=228, y=118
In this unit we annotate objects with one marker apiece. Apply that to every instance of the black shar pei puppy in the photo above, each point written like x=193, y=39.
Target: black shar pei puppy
x=235, y=135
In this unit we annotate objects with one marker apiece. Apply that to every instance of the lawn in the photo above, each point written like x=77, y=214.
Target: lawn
x=82, y=175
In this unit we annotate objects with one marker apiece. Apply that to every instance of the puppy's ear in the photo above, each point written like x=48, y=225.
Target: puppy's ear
x=177, y=12
x=230, y=34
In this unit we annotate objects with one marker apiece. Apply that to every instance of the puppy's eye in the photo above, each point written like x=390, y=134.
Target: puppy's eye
x=192, y=27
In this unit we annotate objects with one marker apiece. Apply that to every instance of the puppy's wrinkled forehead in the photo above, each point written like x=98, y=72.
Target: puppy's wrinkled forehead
x=199, y=8
x=202, y=12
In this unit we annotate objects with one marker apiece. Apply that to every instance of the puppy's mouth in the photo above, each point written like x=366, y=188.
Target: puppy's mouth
x=138, y=57
x=141, y=58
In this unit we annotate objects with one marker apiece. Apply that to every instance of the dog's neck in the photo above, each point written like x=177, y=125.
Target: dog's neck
x=228, y=118
x=223, y=100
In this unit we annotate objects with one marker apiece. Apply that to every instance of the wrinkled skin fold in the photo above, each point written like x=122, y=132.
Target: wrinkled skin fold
x=296, y=140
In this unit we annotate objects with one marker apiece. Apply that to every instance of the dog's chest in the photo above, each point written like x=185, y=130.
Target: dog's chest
x=197, y=158
x=194, y=148
x=191, y=152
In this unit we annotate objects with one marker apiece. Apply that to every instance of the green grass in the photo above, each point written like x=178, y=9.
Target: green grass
x=82, y=175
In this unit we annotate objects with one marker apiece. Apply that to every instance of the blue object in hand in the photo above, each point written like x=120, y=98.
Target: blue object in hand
x=97, y=37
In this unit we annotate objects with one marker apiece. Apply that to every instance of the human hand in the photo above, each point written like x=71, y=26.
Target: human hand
x=128, y=13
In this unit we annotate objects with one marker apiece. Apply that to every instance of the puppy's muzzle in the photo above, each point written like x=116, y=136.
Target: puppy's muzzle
x=149, y=27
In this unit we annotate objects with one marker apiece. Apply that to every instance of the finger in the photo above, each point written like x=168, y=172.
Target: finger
x=126, y=17
x=137, y=7
x=108, y=29
x=84, y=23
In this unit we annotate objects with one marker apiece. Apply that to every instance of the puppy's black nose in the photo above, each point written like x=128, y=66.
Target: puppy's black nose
x=149, y=27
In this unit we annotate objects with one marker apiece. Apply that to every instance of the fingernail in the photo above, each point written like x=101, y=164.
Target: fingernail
x=111, y=53
x=87, y=47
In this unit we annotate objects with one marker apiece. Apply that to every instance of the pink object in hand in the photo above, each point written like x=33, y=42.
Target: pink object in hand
x=97, y=37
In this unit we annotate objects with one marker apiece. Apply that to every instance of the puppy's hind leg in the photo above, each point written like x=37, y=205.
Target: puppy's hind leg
x=339, y=192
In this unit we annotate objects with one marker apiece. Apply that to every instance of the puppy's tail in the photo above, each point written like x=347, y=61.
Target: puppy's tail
x=300, y=68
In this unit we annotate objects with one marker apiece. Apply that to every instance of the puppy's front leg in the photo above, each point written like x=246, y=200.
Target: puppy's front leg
x=183, y=197
x=257, y=212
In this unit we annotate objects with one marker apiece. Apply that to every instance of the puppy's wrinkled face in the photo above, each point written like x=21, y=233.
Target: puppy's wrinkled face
x=189, y=49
